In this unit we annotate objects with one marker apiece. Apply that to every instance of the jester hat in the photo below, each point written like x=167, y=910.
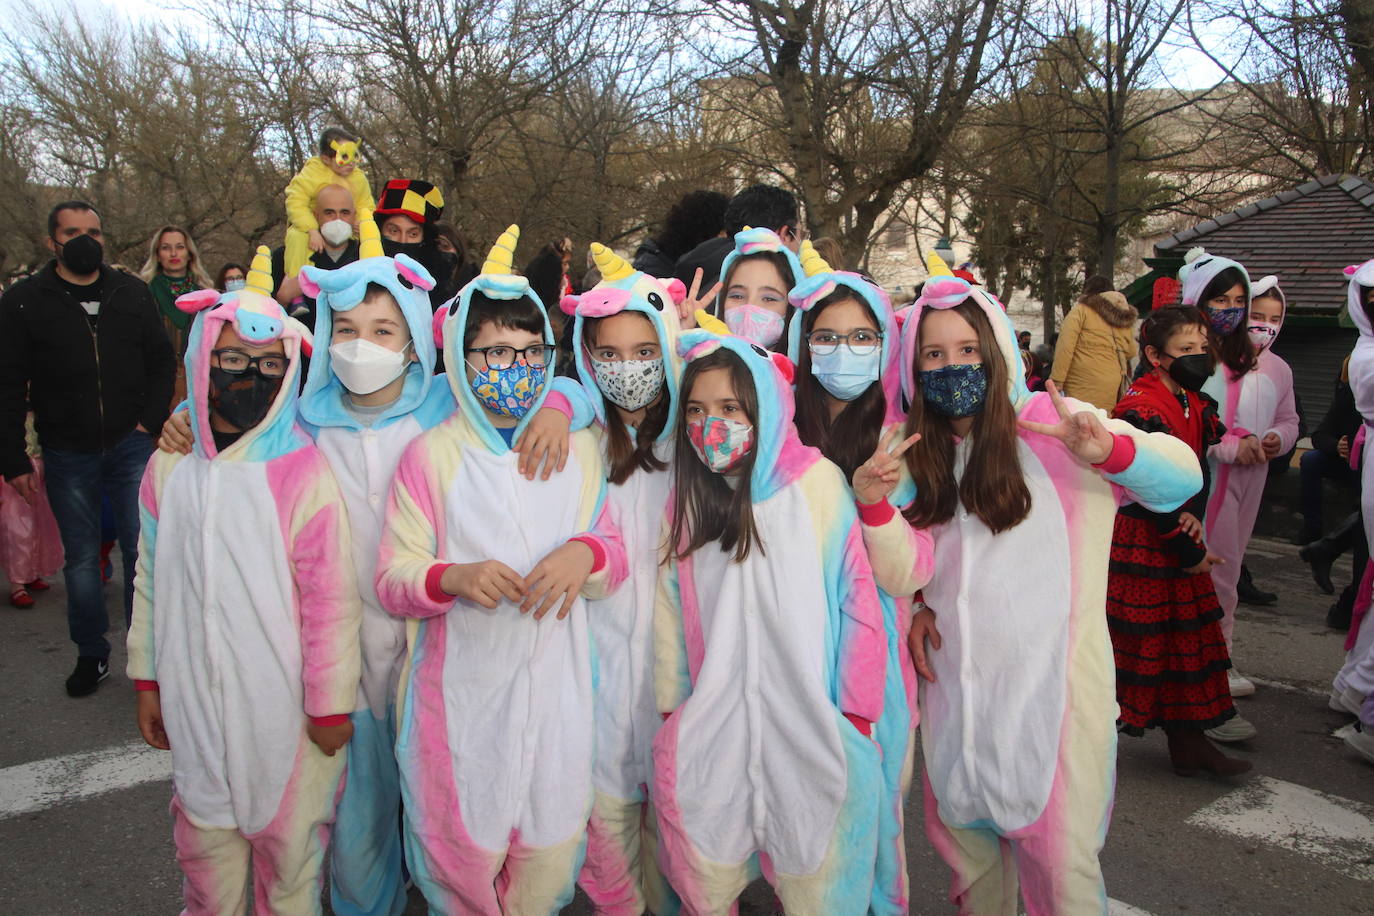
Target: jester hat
x=419, y=200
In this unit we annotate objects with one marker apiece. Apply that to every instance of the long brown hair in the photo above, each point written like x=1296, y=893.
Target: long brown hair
x=626, y=454
x=851, y=438
x=993, y=487
x=705, y=508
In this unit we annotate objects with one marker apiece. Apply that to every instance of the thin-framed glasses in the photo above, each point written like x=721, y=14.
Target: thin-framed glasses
x=861, y=342
x=236, y=362
x=537, y=356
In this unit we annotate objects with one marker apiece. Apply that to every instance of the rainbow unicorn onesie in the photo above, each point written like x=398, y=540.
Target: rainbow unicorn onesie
x=1018, y=728
x=901, y=558
x=495, y=731
x=771, y=671
x=246, y=621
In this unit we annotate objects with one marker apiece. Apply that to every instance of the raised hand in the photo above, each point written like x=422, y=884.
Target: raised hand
x=1082, y=433
x=876, y=478
x=687, y=308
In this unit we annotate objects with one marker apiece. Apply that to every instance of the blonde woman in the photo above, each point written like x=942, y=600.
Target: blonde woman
x=173, y=269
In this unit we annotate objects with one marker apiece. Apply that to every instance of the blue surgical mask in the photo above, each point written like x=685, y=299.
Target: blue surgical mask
x=511, y=391
x=1224, y=321
x=234, y=285
x=956, y=390
x=846, y=374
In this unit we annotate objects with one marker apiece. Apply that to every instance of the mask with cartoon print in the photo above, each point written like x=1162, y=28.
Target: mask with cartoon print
x=629, y=383
x=511, y=391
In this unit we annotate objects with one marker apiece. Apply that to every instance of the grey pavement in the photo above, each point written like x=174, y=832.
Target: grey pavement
x=84, y=850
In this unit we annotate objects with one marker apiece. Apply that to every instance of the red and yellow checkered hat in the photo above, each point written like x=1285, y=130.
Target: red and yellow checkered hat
x=419, y=200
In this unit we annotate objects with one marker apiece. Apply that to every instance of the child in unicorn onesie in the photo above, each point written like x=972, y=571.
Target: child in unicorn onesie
x=625, y=333
x=1017, y=724
x=244, y=643
x=495, y=721
x=770, y=652
x=846, y=343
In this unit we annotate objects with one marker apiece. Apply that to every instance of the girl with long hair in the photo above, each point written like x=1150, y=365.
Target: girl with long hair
x=755, y=278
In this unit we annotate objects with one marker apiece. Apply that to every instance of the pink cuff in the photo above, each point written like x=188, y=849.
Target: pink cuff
x=1240, y=432
x=329, y=721
x=145, y=685
x=864, y=726
x=876, y=515
x=432, y=589
x=557, y=400
x=598, y=551
x=1123, y=453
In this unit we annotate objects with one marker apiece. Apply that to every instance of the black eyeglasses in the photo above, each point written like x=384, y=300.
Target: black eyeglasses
x=861, y=342
x=236, y=362
x=502, y=357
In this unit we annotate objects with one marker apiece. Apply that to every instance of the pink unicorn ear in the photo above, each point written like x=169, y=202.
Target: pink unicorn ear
x=308, y=286
x=404, y=269
x=439, y=317
x=785, y=366
x=569, y=304
x=197, y=301
x=677, y=290
x=1350, y=271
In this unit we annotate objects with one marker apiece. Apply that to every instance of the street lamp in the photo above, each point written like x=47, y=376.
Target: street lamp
x=945, y=249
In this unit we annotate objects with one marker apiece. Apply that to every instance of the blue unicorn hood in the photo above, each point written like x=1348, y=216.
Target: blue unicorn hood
x=750, y=242
x=780, y=458
x=624, y=289
x=497, y=280
x=258, y=320
x=343, y=289
x=942, y=291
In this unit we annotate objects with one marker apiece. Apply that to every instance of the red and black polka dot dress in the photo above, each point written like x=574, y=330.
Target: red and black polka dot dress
x=1171, y=659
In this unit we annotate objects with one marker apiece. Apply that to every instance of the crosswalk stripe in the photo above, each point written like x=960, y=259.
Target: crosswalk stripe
x=1117, y=908
x=1333, y=831
x=44, y=783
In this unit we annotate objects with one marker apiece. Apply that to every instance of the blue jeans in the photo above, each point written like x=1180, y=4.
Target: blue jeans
x=75, y=482
x=1314, y=467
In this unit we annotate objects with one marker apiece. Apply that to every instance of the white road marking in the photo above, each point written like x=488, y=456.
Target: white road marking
x=59, y=780
x=1333, y=831
x=1117, y=908
x=1291, y=688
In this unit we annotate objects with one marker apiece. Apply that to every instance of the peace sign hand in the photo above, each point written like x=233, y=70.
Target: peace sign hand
x=1082, y=433
x=876, y=478
x=687, y=308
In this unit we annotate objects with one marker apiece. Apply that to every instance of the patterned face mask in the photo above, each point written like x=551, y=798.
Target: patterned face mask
x=956, y=390
x=1224, y=321
x=1262, y=335
x=721, y=442
x=510, y=391
x=629, y=383
x=755, y=324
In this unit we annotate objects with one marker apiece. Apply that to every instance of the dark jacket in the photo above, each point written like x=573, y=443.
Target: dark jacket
x=1342, y=419
x=653, y=260
x=88, y=388
x=708, y=256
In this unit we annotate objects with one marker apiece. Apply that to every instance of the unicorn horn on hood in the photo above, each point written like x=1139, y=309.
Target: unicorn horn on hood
x=612, y=266
x=811, y=260
x=259, y=277
x=501, y=260
x=937, y=267
x=369, y=240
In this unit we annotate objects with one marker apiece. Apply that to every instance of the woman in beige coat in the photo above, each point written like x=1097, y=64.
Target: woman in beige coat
x=1096, y=344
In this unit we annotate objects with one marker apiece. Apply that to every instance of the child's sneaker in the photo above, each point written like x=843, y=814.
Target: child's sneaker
x=37, y=585
x=20, y=597
x=87, y=676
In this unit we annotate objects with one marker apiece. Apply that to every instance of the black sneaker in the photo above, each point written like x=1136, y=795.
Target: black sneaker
x=87, y=676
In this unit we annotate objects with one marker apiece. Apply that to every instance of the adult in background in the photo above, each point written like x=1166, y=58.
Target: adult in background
x=85, y=346
x=408, y=214
x=338, y=220
x=1096, y=345
x=173, y=269
x=449, y=240
x=760, y=206
x=698, y=216
x=231, y=277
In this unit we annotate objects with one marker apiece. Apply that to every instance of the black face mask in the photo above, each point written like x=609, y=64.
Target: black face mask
x=391, y=249
x=1191, y=372
x=242, y=400
x=82, y=255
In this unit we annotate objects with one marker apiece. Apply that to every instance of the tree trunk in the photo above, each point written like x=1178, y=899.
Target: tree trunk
x=1109, y=218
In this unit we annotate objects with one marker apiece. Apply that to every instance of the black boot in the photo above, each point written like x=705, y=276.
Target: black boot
x=1324, y=551
x=1191, y=753
x=1246, y=591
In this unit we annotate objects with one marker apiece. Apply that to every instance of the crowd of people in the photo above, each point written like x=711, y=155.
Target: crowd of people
x=506, y=582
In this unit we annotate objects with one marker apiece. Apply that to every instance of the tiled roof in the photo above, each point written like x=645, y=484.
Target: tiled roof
x=1306, y=235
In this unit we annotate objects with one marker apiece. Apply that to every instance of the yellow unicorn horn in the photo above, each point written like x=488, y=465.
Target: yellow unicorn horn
x=369, y=240
x=502, y=257
x=811, y=260
x=937, y=267
x=708, y=322
x=260, y=273
x=612, y=266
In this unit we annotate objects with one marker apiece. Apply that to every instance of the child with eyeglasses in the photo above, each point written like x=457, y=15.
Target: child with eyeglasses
x=244, y=642
x=495, y=733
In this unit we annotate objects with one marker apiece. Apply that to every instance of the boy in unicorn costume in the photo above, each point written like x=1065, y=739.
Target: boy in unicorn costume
x=770, y=671
x=244, y=643
x=495, y=721
x=621, y=874
x=900, y=556
x=1018, y=725
x=376, y=313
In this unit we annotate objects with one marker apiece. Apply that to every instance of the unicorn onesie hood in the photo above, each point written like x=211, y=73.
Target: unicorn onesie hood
x=750, y=242
x=245, y=651
x=773, y=669
x=1018, y=728
x=495, y=712
x=620, y=874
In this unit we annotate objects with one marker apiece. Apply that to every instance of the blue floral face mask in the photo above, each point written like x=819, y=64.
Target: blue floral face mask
x=1224, y=321
x=955, y=391
x=510, y=391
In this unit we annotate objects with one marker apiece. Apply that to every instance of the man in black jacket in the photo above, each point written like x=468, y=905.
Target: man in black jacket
x=757, y=206
x=82, y=345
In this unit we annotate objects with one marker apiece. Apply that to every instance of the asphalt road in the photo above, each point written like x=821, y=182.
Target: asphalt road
x=84, y=825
